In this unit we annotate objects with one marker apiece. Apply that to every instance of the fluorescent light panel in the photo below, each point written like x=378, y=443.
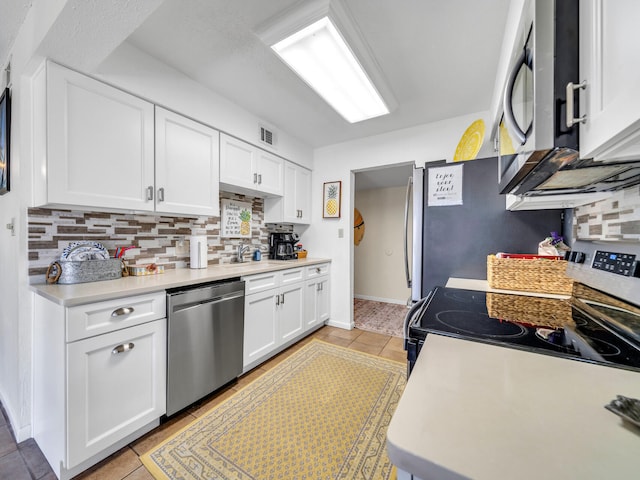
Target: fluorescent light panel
x=321, y=57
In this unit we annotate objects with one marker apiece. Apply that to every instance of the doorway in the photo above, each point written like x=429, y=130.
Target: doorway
x=380, y=287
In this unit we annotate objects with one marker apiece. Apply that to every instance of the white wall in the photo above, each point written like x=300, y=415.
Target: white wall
x=379, y=259
x=424, y=143
x=15, y=296
x=136, y=72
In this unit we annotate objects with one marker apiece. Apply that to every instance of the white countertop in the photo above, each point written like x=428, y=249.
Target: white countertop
x=472, y=410
x=80, y=293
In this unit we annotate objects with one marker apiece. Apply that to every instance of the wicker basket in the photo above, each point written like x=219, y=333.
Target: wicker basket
x=537, y=311
x=86, y=271
x=531, y=275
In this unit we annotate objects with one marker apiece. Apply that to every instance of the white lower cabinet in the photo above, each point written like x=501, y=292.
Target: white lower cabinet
x=316, y=302
x=277, y=311
x=290, y=311
x=114, y=387
x=260, y=325
x=95, y=394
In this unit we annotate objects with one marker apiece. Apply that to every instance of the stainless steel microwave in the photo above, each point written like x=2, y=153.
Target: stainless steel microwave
x=538, y=135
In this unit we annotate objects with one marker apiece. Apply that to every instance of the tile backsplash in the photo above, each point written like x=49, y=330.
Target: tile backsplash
x=616, y=218
x=159, y=239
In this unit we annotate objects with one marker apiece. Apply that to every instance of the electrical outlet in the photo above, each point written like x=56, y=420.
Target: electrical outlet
x=341, y=233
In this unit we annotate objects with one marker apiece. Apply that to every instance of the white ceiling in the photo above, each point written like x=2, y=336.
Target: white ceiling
x=12, y=14
x=440, y=58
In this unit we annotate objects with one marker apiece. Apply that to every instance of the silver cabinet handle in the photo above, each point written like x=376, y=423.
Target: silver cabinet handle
x=282, y=302
x=161, y=194
x=125, y=347
x=278, y=300
x=571, y=87
x=255, y=178
x=317, y=269
x=118, y=312
x=150, y=192
x=318, y=287
x=259, y=179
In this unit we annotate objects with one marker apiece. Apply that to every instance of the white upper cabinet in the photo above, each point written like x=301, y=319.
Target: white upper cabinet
x=187, y=166
x=609, y=53
x=94, y=146
x=295, y=205
x=248, y=169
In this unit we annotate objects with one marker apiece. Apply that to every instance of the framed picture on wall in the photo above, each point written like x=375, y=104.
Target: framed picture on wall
x=5, y=137
x=331, y=199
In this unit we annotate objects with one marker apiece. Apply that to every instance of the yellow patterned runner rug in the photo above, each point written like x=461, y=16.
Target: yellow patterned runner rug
x=320, y=414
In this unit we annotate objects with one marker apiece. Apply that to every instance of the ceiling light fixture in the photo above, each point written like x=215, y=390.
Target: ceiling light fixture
x=318, y=40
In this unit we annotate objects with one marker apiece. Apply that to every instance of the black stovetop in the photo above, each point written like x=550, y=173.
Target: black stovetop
x=542, y=325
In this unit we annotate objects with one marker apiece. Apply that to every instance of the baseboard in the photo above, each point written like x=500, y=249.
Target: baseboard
x=24, y=432
x=380, y=299
x=343, y=325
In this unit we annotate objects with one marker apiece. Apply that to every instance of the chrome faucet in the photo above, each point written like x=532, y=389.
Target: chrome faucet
x=241, y=250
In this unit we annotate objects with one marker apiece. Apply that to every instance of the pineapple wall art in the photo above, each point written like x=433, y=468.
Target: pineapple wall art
x=235, y=219
x=331, y=199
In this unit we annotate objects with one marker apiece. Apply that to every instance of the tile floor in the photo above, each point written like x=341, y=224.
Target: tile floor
x=26, y=460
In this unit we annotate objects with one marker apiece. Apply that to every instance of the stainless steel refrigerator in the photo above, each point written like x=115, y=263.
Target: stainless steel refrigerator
x=454, y=240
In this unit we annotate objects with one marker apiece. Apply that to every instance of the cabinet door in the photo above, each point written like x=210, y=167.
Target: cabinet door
x=316, y=302
x=187, y=166
x=609, y=52
x=116, y=385
x=260, y=325
x=311, y=304
x=297, y=194
x=99, y=143
x=324, y=304
x=303, y=194
x=291, y=311
x=238, y=162
x=270, y=176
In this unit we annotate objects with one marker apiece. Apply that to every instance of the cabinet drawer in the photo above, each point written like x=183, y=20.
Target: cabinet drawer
x=317, y=270
x=261, y=282
x=85, y=321
x=292, y=275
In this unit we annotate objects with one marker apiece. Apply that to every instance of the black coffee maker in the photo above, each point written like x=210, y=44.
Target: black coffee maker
x=282, y=246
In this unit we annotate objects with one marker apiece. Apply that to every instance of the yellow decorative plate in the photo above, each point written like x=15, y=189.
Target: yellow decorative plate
x=470, y=143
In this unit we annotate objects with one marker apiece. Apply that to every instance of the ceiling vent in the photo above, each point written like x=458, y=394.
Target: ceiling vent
x=268, y=136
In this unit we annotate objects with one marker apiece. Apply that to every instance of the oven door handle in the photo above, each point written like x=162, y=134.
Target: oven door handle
x=412, y=316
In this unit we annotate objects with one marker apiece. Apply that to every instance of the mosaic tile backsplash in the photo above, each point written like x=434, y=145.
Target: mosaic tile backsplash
x=163, y=240
x=616, y=218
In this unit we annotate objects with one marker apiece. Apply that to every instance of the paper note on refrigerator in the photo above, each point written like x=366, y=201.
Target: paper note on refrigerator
x=445, y=186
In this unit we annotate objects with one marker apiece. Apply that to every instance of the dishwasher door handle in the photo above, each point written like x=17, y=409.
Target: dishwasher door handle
x=218, y=299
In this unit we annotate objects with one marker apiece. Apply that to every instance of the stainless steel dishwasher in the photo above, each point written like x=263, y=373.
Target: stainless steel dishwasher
x=204, y=340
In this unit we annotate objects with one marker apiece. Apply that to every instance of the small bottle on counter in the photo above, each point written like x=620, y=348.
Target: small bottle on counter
x=257, y=255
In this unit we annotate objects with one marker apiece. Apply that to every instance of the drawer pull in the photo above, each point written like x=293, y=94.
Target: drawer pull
x=318, y=270
x=122, y=311
x=125, y=347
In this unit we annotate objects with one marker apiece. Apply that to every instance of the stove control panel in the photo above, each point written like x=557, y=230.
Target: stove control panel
x=618, y=263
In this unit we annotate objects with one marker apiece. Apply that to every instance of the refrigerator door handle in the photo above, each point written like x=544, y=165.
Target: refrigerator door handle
x=409, y=198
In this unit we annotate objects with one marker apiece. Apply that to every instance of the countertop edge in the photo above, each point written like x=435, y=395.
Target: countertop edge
x=89, y=292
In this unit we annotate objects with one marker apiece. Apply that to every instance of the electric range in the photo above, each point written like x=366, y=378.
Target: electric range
x=592, y=325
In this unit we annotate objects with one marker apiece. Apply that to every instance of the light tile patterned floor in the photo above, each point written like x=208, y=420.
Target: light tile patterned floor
x=125, y=463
